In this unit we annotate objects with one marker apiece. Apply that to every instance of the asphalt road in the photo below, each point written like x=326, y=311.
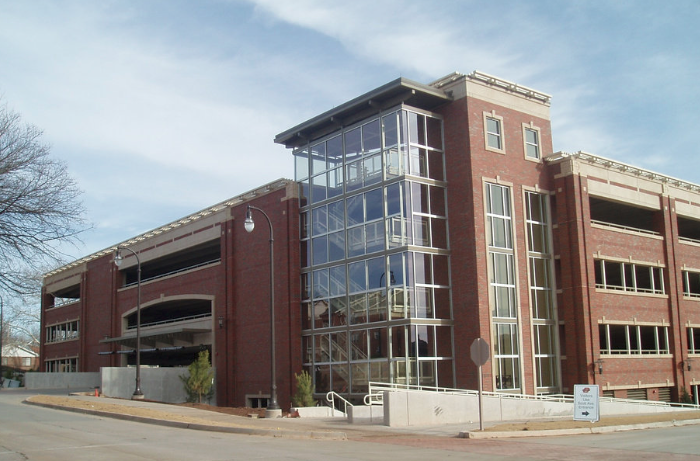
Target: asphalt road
x=28, y=432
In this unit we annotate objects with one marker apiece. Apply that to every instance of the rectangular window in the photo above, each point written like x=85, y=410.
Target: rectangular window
x=694, y=340
x=633, y=339
x=691, y=284
x=631, y=277
x=532, y=143
x=494, y=136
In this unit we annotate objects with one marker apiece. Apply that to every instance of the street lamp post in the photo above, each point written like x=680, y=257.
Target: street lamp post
x=273, y=408
x=138, y=395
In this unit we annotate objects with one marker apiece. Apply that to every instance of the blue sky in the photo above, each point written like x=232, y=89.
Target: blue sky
x=163, y=107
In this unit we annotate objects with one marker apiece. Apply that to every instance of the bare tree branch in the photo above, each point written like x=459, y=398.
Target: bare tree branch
x=39, y=205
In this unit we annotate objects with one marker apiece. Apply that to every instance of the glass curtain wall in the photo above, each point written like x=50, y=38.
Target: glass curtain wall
x=544, y=318
x=504, y=311
x=375, y=261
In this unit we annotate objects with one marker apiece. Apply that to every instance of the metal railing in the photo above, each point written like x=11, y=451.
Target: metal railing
x=330, y=399
x=376, y=389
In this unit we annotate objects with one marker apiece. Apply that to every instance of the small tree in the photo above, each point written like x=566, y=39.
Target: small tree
x=199, y=381
x=304, y=396
x=685, y=396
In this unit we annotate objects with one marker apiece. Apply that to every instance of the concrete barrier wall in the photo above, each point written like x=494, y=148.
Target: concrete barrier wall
x=415, y=408
x=159, y=384
x=82, y=381
x=366, y=414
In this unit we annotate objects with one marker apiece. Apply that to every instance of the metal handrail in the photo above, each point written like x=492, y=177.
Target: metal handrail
x=330, y=398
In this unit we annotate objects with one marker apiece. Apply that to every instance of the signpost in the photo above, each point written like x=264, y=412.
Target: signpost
x=586, y=402
x=480, y=355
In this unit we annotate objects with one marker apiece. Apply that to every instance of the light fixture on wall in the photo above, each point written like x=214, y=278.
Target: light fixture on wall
x=599, y=362
x=221, y=321
x=688, y=363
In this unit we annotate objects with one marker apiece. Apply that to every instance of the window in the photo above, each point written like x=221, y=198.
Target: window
x=494, y=133
x=691, y=284
x=62, y=332
x=67, y=365
x=633, y=339
x=630, y=277
x=531, y=137
x=694, y=340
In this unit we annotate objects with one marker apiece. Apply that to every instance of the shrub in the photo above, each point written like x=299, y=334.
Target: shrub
x=304, y=396
x=199, y=381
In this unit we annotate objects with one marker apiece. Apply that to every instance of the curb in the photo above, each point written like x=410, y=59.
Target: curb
x=318, y=435
x=578, y=431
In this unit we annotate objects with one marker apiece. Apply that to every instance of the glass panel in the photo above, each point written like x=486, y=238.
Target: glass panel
x=374, y=205
x=305, y=250
x=371, y=136
x=353, y=175
x=423, y=268
x=303, y=192
x=396, y=270
x=318, y=158
x=358, y=308
x=304, y=225
x=356, y=241
x=337, y=280
x=335, y=182
x=336, y=246
x=356, y=211
x=423, y=303
x=356, y=272
x=419, y=162
x=377, y=306
x=393, y=199
x=421, y=231
x=318, y=188
x=353, y=145
x=360, y=377
x=320, y=250
x=301, y=164
x=377, y=343
x=442, y=303
x=437, y=201
x=416, y=123
x=434, y=127
x=438, y=236
x=338, y=310
x=339, y=378
x=322, y=378
x=320, y=283
x=374, y=233
x=372, y=173
x=305, y=286
x=391, y=133
x=319, y=220
x=320, y=311
x=334, y=152
x=335, y=216
x=375, y=272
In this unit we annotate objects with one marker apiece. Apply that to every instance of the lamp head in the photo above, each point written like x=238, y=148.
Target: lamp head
x=118, y=257
x=249, y=224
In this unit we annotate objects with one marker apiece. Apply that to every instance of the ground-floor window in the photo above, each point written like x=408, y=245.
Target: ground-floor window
x=346, y=361
x=65, y=365
x=506, y=356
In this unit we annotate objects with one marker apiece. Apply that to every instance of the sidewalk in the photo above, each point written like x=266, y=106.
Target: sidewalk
x=312, y=428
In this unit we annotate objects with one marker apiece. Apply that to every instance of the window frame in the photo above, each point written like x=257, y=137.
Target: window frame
x=538, y=145
x=502, y=148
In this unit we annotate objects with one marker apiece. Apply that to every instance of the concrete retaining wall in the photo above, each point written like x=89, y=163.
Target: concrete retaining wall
x=159, y=384
x=415, y=408
x=366, y=414
x=82, y=381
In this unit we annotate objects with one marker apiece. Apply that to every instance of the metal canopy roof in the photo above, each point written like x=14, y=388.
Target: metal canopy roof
x=393, y=93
